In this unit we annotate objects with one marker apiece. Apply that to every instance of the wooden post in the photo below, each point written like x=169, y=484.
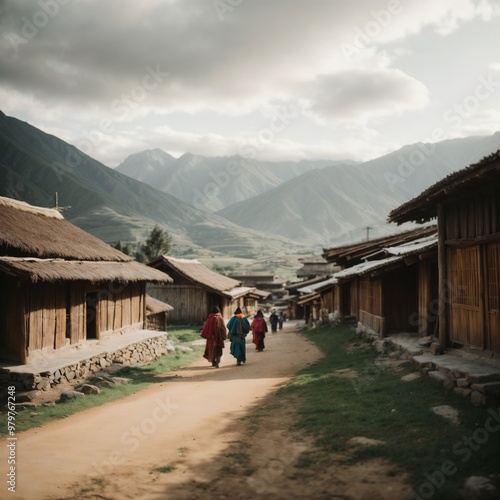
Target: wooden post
x=442, y=277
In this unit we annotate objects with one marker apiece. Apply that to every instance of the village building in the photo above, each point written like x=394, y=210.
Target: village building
x=353, y=292
x=467, y=207
x=61, y=287
x=156, y=314
x=196, y=289
x=384, y=289
x=315, y=266
x=315, y=301
x=355, y=253
x=266, y=282
x=392, y=294
x=296, y=291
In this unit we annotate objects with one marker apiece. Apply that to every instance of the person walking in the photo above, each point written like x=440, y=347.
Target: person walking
x=273, y=319
x=281, y=319
x=215, y=332
x=259, y=329
x=238, y=327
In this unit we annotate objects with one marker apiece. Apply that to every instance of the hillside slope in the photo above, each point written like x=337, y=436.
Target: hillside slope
x=341, y=203
x=109, y=205
x=212, y=184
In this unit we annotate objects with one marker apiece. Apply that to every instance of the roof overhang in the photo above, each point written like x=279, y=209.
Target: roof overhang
x=55, y=270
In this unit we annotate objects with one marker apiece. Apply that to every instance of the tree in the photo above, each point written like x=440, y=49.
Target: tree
x=158, y=243
x=126, y=248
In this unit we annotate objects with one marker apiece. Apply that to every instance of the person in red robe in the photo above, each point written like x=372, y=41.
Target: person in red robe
x=259, y=329
x=215, y=332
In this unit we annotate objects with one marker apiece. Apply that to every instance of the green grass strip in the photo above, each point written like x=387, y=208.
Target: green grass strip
x=436, y=454
x=139, y=377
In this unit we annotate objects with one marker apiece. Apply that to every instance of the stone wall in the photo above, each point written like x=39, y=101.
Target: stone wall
x=476, y=381
x=142, y=352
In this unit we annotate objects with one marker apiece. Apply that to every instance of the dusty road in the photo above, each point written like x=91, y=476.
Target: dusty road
x=113, y=451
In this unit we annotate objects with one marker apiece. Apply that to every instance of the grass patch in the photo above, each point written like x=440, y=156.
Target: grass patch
x=96, y=484
x=335, y=407
x=184, y=334
x=165, y=469
x=139, y=377
x=237, y=460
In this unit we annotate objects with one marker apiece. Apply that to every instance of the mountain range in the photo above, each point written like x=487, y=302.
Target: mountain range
x=317, y=203
x=231, y=205
x=112, y=206
x=214, y=183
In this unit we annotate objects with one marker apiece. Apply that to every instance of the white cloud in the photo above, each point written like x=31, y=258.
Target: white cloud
x=89, y=60
x=361, y=96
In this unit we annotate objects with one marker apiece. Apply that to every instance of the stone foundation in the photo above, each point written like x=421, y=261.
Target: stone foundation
x=473, y=379
x=141, y=352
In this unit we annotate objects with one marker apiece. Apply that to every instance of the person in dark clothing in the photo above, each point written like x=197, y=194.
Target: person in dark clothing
x=259, y=329
x=273, y=319
x=238, y=327
x=215, y=332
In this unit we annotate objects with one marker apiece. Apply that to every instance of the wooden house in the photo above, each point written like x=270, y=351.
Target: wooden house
x=356, y=253
x=156, y=314
x=387, y=284
x=467, y=207
x=266, y=282
x=315, y=266
x=60, y=285
x=296, y=309
x=387, y=295
x=196, y=289
x=315, y=301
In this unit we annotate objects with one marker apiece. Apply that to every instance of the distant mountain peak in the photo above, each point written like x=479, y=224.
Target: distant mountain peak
x=110, y=205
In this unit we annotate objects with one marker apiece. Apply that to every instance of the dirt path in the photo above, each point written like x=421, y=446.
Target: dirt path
x=206, y=434
x=113, y=451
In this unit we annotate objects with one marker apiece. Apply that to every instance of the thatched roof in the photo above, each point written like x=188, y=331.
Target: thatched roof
x=54, y=270
x=456, y=186
x=155, y=306
x=28, y=231
x=38, y=244
x=195, y=271
x=239, y=291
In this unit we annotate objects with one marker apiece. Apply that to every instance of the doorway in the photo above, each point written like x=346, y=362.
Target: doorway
x=91, y=315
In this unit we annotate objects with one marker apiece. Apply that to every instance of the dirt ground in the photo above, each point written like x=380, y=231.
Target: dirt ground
x=189, y=438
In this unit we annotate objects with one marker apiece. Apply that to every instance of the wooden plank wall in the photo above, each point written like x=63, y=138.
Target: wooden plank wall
x=473, y=218
x=47, y=316
x=120, y=306
x=354, y=298
x=35, y=314
x=370, y=296
x=427, y=298
x=328, y=300
x=60, y=317
x=465, y=285
x=492, y=279
x=190, y=302
x=372, y=321
x=77, y=311
x=472, y=229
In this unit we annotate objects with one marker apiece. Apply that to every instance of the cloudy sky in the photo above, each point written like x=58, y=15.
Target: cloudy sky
x=271, y=79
